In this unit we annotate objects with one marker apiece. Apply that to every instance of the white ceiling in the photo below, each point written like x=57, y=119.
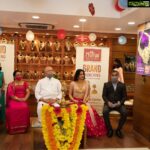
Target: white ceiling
x=104, y=21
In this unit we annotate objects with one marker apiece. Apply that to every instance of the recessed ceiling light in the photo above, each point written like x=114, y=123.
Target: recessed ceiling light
x=76, y=26
x=35, y=17
x=131, y=23
x=132, y=38
x=82, y=20
x=117, y=29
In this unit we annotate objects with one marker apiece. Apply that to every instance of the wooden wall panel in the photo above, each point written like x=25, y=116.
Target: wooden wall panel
x=141, y=110
x=119, y=51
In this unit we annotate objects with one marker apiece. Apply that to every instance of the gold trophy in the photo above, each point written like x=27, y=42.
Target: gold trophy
x=19, y=58
x=50, y=59
x=57, y=45
x=92, y=44
x=71, y=75
x=57, y=60
x=68, y=45
x=76, y=44
x=66, y=75
x=33, y=46
x=33, y=58
x=41, y=46
x=73, y=58
x=48, y=45
x=26, y=75
x=66, y=60
x=27, y=58
x=22, y=45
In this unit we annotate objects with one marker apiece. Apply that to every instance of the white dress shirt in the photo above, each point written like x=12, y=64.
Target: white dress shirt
x=115, y=86
x=48, y=89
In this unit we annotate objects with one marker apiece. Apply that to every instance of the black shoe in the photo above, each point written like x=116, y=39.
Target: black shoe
x=110, y=133
x=119, y=133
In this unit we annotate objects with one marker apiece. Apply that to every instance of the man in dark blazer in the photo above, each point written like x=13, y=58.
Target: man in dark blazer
x=114, y=95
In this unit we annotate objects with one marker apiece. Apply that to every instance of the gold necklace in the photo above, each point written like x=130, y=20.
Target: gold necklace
x=80, y=87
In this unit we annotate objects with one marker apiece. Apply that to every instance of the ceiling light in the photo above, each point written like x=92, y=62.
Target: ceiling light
x=132, y=38
x=47, y=34
x=35, y=17
x=82, y=20
x=117, y=29
x=131, y=23
x=76, y=26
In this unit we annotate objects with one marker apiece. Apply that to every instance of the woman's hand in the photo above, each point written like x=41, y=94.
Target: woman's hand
x=23, y=99
x=75, y=101
x=84, y=102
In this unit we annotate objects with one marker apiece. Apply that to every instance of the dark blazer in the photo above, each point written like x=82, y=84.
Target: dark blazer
x=109, y=94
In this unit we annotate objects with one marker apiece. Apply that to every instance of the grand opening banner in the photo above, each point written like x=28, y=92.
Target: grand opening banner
x=95, y=62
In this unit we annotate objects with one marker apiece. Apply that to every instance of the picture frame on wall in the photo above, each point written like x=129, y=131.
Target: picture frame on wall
x=129, y=63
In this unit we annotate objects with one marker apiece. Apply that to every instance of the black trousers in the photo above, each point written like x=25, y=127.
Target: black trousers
x=123, y=116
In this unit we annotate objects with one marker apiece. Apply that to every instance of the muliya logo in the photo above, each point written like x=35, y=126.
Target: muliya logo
x=92, y=54
x=138, y=3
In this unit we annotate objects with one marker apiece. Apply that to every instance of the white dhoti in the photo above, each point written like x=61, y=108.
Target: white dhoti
x=39, y=109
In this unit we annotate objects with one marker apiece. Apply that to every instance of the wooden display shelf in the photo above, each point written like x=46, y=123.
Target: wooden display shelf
x=69, y=65
x=32, y=64
x=125, y=72
x=70, y=53
x=31, y=80
x=34, y=52
x=59, y=53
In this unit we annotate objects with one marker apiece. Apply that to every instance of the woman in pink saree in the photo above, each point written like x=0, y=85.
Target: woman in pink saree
x=80, y=93
x=17, y=111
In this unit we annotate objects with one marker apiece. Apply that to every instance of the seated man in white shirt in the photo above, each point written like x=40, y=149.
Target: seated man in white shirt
x=47, y=91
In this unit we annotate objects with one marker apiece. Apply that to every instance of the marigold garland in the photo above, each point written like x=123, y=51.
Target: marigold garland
x=63, y=127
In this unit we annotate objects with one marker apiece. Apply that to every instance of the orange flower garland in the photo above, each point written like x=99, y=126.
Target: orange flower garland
x=63, y=127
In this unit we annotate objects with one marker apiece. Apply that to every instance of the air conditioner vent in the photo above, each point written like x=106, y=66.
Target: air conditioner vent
x=36, y=26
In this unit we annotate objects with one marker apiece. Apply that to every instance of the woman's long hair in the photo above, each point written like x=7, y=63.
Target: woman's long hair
x=118, y=63
x=77, y=74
